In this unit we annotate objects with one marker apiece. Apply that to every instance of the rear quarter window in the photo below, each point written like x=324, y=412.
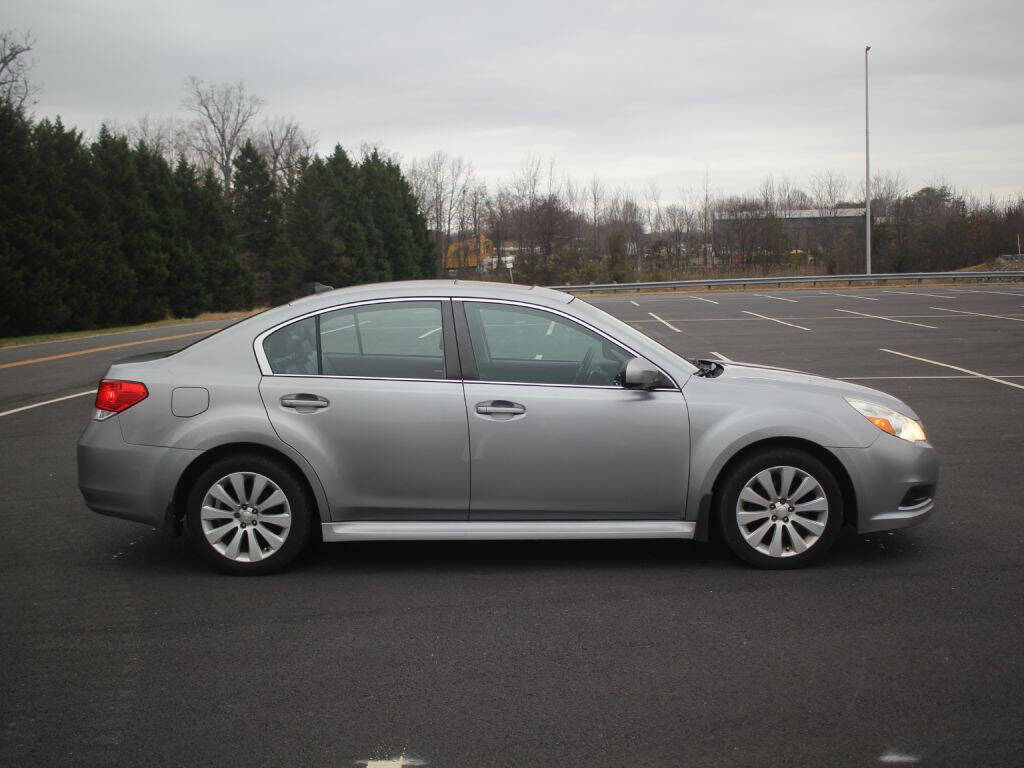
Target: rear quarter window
x=292, y=349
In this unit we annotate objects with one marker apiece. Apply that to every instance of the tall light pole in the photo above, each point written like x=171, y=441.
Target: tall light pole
x=867, y=171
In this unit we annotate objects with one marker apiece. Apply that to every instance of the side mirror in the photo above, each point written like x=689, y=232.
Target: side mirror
x=638, y=373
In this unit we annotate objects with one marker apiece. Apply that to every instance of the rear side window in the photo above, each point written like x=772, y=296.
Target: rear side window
x=292, y=349
x=401, y=340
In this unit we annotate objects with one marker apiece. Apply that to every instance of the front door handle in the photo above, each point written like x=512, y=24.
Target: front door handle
x=500, y=408
x=304, y=400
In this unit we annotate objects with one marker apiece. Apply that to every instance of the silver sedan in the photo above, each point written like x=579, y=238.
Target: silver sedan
x=459, y=410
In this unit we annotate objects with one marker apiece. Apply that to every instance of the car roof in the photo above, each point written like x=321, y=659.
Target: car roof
x=456, y=288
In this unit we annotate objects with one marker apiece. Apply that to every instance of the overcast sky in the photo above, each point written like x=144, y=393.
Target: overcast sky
x=630, y=91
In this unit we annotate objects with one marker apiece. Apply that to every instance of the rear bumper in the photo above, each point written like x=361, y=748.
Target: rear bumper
x=133, y=482
x=894, y=482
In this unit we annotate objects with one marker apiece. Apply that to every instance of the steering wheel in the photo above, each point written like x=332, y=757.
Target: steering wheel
x=583, y=372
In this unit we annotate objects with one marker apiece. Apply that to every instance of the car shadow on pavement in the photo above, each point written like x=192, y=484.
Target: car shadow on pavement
x=156, y=552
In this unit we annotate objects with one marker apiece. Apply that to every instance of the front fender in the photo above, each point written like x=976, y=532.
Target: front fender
x=725, y=420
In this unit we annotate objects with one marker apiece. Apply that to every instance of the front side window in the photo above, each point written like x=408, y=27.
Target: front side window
x=402, y=339
x=521, y=344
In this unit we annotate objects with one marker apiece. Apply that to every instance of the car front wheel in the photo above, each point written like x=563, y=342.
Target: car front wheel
x=780, y=508
x=248, y=514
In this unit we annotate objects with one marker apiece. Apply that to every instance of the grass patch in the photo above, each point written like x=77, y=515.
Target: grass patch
x=171, y=322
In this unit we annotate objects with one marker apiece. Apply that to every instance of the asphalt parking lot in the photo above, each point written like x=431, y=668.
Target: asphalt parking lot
x=119, y=647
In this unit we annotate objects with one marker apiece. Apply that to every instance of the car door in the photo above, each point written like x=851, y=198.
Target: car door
x=552, y=434
x=371, y=395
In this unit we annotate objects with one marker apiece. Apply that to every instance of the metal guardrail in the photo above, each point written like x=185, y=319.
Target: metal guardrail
x=798, y=279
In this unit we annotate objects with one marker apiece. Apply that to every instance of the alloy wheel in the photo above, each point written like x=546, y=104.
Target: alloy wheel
x=782, y=511
x=246, y=517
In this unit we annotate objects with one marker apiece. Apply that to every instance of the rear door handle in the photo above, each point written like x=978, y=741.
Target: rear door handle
x=304, y=400
x=500, y=408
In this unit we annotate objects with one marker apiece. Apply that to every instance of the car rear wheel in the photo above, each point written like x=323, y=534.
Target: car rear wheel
x=248, y=514
x=780, y=508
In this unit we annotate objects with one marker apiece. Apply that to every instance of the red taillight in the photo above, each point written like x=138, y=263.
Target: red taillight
x=116, y=396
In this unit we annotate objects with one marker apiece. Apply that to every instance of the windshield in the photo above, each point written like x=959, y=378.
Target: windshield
x=627, y=332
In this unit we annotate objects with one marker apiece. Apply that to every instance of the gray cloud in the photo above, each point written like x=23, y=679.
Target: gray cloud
x=633, y=91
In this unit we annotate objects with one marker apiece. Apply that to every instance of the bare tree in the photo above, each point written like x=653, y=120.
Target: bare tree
x=224, y=113
x=15, y=87
x=525, y=188
x=708, y=206
x=828, y=191
x=595, y=201
x=439, y=184
x=476, y=202
x=681, y=222
x=887, y=188
x=166, y=136
x=652, y=206
x=768, y=197
x=790, y=198
x=285, y=146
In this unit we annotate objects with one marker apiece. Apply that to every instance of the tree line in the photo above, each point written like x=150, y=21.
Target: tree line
x=223, y=208
x=175, y=217
x=564, y=231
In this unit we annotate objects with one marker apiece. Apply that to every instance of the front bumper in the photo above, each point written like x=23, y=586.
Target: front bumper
x=133, y=482
x=894, y=482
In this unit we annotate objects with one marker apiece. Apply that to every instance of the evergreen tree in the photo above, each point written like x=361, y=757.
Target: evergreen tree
x=107, y=233
x=19, y=235
x=135, y=223
x=311, y=226
x=350, y=219
x=396, y=215
x=258, y=219
x=188, y=288
x=209, y=230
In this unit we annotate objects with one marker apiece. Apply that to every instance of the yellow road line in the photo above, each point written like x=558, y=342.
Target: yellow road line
x=91, y=350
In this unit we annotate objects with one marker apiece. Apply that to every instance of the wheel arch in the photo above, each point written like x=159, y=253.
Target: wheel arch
x=819, y=452
x=176, y=507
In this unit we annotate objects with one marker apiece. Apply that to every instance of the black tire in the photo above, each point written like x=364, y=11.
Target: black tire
x=733, y=483
x=294, y=538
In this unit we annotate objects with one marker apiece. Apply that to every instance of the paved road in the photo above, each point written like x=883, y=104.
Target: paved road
x=118, y=647
x=35, y=372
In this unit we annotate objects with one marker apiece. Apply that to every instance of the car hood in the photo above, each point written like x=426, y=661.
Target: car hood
x=798, y=380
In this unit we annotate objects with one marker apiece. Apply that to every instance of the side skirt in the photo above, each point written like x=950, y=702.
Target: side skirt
x=466, y=530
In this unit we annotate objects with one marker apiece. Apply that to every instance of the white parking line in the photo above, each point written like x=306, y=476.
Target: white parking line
x=633, y=303
x=979, y=314
x=950, y=376
x=722, y=357
x=664, y=322
x=917, y=293
x=435, y=330
x=47, y=402
x=996, y=293
x=852, y=296
x=698, y=298
x=953, y=367
x=890, y=319
x=777, y=298
x=780, y=322
x=898, y=758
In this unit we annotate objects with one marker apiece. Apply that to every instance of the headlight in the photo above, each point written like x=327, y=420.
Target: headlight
x=888, y=420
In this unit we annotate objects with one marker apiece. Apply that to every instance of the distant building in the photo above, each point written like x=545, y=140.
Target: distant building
x=472, y=253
